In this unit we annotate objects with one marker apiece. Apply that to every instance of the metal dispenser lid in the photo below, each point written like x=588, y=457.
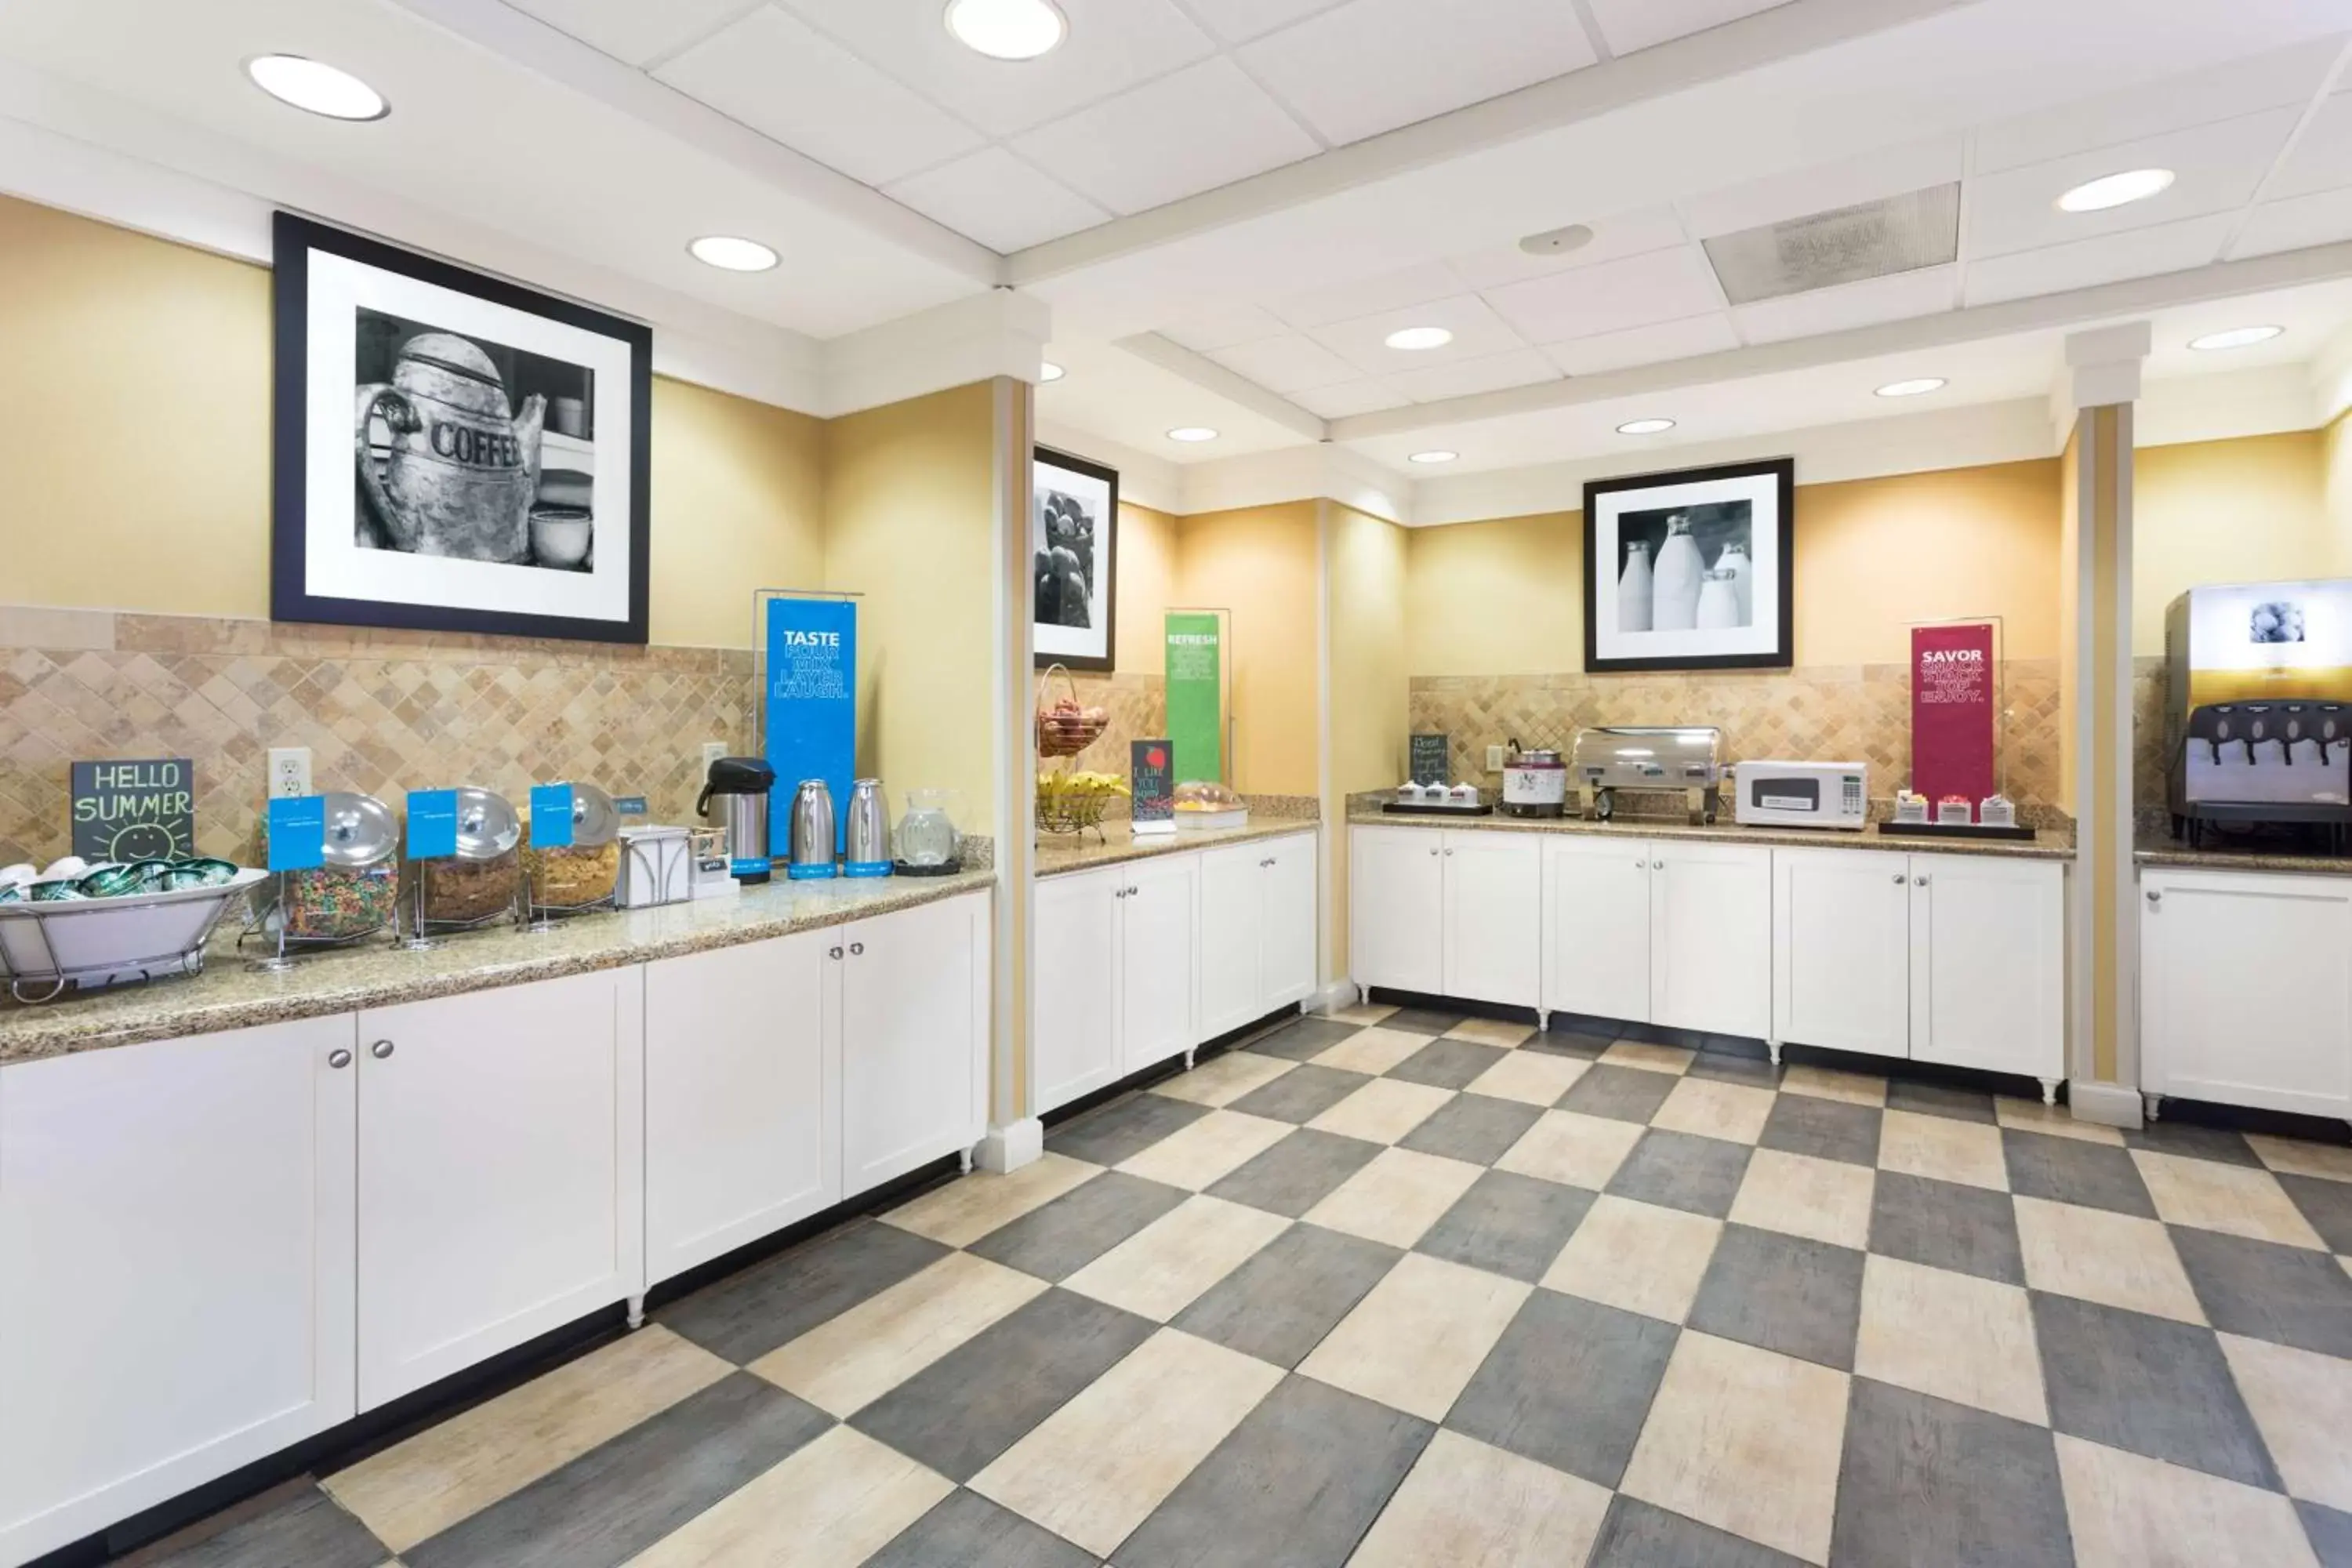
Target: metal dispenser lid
x=595, y=819
x=360, y=831
x=487, y=826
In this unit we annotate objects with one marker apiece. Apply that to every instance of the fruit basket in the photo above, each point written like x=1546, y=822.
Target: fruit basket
x=1073, y=802
x=1065, y=728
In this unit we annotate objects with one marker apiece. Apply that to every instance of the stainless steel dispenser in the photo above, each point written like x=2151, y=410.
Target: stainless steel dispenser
x=811, y=834
x=869, y=831
x=741, y=786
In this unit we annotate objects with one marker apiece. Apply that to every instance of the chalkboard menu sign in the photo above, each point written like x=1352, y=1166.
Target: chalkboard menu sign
x=1152, y=776
x=134, y=810
x=1430, y=760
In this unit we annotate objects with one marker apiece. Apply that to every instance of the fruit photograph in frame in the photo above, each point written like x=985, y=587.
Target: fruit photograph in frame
x=1074, y=546
x=1691, y=570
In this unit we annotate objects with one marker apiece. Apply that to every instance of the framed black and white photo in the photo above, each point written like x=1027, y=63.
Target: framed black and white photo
x=1074, y=541
x=1691, y=570
x=454, y=452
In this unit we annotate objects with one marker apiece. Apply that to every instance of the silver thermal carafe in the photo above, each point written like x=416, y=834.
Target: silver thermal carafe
x=741, y=785
x=869, y=831
x=811, y=832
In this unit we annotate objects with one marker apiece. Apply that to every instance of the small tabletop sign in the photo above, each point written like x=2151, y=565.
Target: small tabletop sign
x=134, y=810
x=629, y=806
x=1430, y=760
x=1153, y=781
x=432, y=823
x=550, y=816
x=298, y=833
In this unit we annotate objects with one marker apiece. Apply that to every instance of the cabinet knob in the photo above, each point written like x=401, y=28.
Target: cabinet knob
x=2156, y=895
x=338, y=1057
x=1640, y=864
x=381, y=1049
x=1657, y=865
x=1432, y=852
x=832, y=952
x=856, y=950
x=1900, y=879
x=1918, y=881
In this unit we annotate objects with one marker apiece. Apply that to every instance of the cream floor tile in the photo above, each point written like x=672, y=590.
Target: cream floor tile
x=1416, y=1339
x=417, y=1488
x=2118, y=1260
x=1396, y=1197
x=832, y=1505
x=2132, y=1512
x=1644, y=1054
x=2230, y=1198
x=1937, y=1146
x=1797, y=1194
x=1223, y=1080
x=1207, y=1150
x=1732, y=1112
x=1160, y=1270
x=1095, y=1468
x=1373, y=1050
x=2032, y=1116
x=1383, y=1111
x=1637, y=1255
x=967, y=1209
x=2302, y=1157
x=1361, y=1012
x=1571, y=1147
x=845, y=1363
x=2303, y=1403
x=1747, y=1440
x=1532, y=1077
x=1465, y=1505
x=1491, y=1032
x=1825, y=1083
x=1952, y=1335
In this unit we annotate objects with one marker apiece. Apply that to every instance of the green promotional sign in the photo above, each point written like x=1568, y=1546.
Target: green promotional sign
x=1196, y=720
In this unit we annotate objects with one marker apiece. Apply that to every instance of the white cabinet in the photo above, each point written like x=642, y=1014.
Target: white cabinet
x=1449, y=913
x=1288, y=964
x=1711, y=937
x=175, y=1244
x=1396, y=907
x=1159, y=922
x=914, y=1031
x=500, y=1184
x=1989, y=965
x=743, y=1098
x=2245, y=984
x=1258, y=931
x=1841, y=949
x=1075, y=1019
x=1596, y=951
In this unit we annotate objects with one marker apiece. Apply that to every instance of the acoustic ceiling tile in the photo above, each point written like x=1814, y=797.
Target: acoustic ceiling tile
x=1205, y=126
x=1637, y=292
x=1686, y=339
x=995, y=199
x=1631, y=25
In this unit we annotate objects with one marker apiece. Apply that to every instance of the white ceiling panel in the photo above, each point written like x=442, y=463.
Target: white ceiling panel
x=2105, y=258
x=1371, y=296
x=2276, y=80
x=1493, y=373
x=1373, y=65
x=1112, y=46
x=634, y=30
x=786, y=80
x=1207, y=125
x=2217, y=167
x=1286, y=364
x=1630, y=24
x=1865, y=304
x=995, y=199
x=1238, y=21
x=1890, y=171
x=1112, y=392
x=1477, y=332
x=2322, y=159
x=1685, y=338
x=1664, y=286
x=1367, y=397
x=1625, y=234
x=2322, y=219
x=1223, y=329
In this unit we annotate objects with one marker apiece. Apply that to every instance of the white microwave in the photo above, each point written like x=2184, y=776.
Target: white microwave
x=1801, y=795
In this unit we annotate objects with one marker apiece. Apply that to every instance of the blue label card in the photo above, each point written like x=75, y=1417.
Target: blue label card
x=298, y=833
x=630, y=804
x=550, y=816
x=811, y=702
x=432, y=823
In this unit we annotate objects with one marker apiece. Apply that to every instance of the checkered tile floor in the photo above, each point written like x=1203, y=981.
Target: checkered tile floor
x=1389, y=1288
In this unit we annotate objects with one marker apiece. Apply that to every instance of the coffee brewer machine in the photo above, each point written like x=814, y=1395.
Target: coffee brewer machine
x=2258, y=707
x=741, y=786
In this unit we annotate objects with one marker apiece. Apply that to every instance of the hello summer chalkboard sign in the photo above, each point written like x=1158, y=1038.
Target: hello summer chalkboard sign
x=142, y=810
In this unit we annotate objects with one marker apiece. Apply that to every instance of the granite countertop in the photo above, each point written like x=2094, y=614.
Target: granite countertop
x=2172, y=852
x=2046, y=845
x=1060, y=856
x=229, y=995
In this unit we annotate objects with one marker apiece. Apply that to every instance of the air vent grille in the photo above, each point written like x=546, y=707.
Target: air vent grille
x=1900, y=233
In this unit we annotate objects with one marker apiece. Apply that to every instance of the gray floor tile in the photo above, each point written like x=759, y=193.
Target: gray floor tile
x=1731, y=1061
x=1921, y=1220
x=968, y=1530
x=746, y=1315
x=1569, y=1384
x=2069, y=1170
x=1939, y=1099
x=1297, y=1483
x=1637, y=1535
x=1563, y=1040
x=1302, y=1094
x=1306, y=1037
x=2327, y=1205
x=964, y=1409
x=2266, y=1291
x=1785, y=1293
x=2147, y=1384
x=1623, y=1094
x=1423, y=1020
x=1447, y=1064
x=1477, y=1127
x=1683, y=1171
x=1825, y=1129
x=1930, y=1484
x=1278, y=1306
x=1508, y=1224
x=1056, y=1240
x=306, y=1530
x=2330, y=1533
x=616, y=1499
x=1296, y=1174
x=1123, y=1129
x=2186, y=1138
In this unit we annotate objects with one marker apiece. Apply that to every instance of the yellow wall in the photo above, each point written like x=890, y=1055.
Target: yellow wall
x=1260, y=563
x=2231, y=511
x=1145, y=588
x=1369, y=669
x=2069, y=616
x=738, y=505
x=1505, y=597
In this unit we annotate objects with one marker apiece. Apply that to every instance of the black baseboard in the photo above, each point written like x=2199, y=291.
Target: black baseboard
x=1160, y=1072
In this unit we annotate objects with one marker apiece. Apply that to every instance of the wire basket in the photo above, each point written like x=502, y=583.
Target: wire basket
x=1064, y=734
x=1067, y=813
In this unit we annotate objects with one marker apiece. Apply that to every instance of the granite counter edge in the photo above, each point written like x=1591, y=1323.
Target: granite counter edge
x=1725, y=833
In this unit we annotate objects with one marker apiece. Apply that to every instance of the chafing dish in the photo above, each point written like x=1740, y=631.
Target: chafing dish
x=1676, y=759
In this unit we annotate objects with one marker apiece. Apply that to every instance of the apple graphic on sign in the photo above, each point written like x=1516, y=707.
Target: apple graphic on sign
x=1157, y=756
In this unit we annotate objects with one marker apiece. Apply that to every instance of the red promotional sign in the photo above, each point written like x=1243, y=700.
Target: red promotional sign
x=1952, y=712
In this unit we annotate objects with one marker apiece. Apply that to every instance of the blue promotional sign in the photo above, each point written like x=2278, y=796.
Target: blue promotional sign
x=811, y=700
x=298, y=833
x=630, y=804
x=432, y=823
x=550, y=816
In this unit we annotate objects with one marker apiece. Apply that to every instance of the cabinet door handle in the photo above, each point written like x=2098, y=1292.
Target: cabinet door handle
x=1432, y=852
x=380, y=1050
x=338, y=1057
x=1918, y=881
x=1449, y=854
x=856, y=950
x=832, y=952
x=1657, y=865
x=2156, y=895
x=1900, y=879
x=1640, y=864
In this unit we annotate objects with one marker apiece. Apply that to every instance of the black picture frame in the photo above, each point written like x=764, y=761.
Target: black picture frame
x=294, y=241
x=1780, y=594
x=1103, y=585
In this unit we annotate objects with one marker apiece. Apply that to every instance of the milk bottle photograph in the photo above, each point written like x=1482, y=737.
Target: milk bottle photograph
x=1633, y=590
x=1699, y=562
x=1735, y=561
x=1675, y=580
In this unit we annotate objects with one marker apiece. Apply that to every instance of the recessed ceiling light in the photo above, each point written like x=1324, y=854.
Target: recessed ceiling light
x=2116, y=190
x=2236, y=338
x=1645, y=426
x=1912, y=388
x=1048, y=371
x=725, y=250
x=1192, y=433
x=317, y=87
x=1008, y=29
x=1440, y=456
x=1412, y=338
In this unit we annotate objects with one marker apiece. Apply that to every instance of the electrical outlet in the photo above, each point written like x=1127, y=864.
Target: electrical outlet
x=1497, y=758
x=711, y=751
x=290, y=771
